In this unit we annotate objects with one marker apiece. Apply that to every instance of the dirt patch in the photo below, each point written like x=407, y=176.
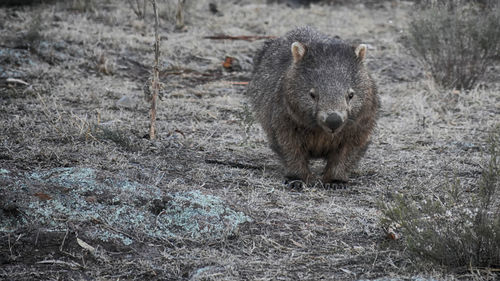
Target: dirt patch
x=75, y=163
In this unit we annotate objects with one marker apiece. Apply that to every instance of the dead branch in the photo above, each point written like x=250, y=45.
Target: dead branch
x=242, y=37
x=236, y=82
x=17, y=81
x=234, y=164
x=59, y=262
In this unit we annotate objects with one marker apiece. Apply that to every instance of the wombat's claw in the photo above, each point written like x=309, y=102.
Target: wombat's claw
x=335, y=185
x=294, y=184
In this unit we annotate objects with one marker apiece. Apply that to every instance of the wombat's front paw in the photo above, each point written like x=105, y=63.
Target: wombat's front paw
x=336, y=185
x=294, y=184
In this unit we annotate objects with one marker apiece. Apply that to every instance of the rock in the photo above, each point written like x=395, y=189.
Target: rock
x=125, y=101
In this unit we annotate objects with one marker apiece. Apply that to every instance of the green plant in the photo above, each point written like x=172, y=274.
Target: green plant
x=459, y=228
x=457, y=40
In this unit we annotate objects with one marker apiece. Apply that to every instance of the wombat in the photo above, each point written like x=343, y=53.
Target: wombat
x=314, y=98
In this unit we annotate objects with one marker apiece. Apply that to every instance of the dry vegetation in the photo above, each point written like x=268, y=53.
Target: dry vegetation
x=78, y=102
x=456, y=227
x=459, y=40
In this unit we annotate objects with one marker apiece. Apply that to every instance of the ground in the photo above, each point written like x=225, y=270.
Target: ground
x=85, y=195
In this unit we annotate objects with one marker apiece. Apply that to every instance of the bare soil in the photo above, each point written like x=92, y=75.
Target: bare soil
x=82, y=106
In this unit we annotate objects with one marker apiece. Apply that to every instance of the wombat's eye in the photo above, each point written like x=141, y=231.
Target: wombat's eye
x=350, y=95
x=312, y=93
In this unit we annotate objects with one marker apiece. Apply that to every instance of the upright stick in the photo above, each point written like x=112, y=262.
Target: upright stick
x=155, y=82
x=179, y=15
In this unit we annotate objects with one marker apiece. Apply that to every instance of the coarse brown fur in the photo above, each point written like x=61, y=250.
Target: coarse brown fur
x=314, y=99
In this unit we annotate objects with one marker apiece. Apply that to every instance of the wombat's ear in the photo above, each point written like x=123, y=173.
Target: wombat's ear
x=360, y=52
x=298, y=51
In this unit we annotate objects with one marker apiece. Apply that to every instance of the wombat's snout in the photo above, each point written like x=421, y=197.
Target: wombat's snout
x=333, y=121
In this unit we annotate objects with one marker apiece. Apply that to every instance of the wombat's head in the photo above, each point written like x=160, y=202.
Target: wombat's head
x=326, y=83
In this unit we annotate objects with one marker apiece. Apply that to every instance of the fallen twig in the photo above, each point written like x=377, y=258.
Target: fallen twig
x=70, y=264
x=242, y=37
x=181, y=71
x=85, y=245
x=17, y=81
x=236, y=82
x=234, y=164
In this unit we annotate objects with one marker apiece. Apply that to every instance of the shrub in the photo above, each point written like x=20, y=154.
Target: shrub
x=458, y=40
x=458, y=229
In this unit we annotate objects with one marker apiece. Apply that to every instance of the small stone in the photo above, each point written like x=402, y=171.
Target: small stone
x=125, y=101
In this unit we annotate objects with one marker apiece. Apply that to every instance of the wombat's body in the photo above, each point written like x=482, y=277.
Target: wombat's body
x=314, y=99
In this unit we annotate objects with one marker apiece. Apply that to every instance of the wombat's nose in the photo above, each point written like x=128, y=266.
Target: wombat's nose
x=333, y=121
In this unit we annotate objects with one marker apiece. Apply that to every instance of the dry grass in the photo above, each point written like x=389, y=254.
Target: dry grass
x=207, y=142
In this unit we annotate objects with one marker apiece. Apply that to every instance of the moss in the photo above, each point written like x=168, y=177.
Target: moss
x=199, y=215
x=82, y=178
x=122, y=206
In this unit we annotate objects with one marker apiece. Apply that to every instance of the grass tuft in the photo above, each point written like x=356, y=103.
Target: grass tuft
x=115, y=135
x=460, y=228
x=139, y=10
x=33, y=35
x=82, y=6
